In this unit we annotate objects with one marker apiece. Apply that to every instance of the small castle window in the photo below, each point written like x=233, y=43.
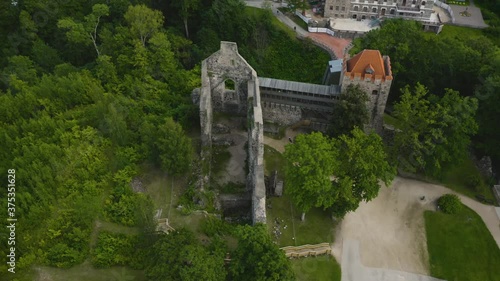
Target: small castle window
x=374, y=92
x=229, y=84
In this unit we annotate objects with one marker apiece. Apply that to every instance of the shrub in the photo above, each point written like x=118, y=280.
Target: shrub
x=213, y=226
x=113, y=249
x=474, y=182
x=62, y=255
x=450, y=204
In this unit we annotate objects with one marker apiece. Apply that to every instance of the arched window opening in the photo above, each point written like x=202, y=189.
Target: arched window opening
x=229, y=85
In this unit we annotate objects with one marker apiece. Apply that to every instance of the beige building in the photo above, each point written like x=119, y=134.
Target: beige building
x=420, y=10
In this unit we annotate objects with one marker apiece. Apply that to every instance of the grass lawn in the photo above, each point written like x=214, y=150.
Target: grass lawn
x=317, y=228
x=159, y=187
x=276, y=22
x=85, y=272
x=321, y=268
x=273, y=161
x=459, y=31
x=457, y=177
x=460, y=247
x=296, y=19
x=318, y=225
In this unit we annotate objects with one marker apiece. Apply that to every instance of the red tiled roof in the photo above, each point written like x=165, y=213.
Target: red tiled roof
x=358, y=65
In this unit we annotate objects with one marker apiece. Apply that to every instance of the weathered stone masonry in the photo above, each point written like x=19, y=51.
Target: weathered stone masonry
x=227, y=64
x=283, y=103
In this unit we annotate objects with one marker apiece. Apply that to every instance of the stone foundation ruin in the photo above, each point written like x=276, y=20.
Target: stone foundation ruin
x=230, y=86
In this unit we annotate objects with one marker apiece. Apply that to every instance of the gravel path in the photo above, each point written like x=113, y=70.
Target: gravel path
x=385, y=239
x=390, y=230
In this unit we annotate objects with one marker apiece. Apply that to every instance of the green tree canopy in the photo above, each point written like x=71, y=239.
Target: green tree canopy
x=85, y=32
x=335, y=173
x=186, y=8
x=349, y=111
x=434, y=132
x=310, y=165
x=364, y=163
x=174, y=146
x=257, y=258
x=143, y=21
x=179, y=256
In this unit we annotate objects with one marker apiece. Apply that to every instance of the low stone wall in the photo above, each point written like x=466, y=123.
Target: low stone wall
x=307, y=250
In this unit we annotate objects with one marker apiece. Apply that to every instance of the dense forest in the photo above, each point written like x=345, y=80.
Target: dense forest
x=461, y=59
x=92, y=93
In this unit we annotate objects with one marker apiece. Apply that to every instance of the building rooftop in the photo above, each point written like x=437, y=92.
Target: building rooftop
x=368, y=64
x=335, y=65
x=353, y=25
x=292, y=86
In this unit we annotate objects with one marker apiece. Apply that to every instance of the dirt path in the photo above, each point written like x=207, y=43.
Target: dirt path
x=279, y=145
x=391, y=229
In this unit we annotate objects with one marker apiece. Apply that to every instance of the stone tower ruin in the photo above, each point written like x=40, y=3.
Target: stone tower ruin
x=230, y=85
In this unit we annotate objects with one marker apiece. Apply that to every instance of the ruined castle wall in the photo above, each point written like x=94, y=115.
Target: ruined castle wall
x=256, y=152
x=243, y=99
x=206, y=110
x=281, y=114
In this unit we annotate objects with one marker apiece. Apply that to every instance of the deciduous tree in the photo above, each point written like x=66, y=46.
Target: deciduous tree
x=179, y=256
x=85, y=32
x=186, y=8
x=257, y=258
x=174, y=146
x=363, y=164
x=143, y=21
x=434, y=132
x=310, y=165
x=335, y=173
x=349, y=111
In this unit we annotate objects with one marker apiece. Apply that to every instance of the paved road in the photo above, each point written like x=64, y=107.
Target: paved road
x=284, y=19
x=336, y=45
x=475, y=18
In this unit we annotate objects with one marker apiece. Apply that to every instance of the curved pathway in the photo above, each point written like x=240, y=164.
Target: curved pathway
x=384, y=239
x=334, y=44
